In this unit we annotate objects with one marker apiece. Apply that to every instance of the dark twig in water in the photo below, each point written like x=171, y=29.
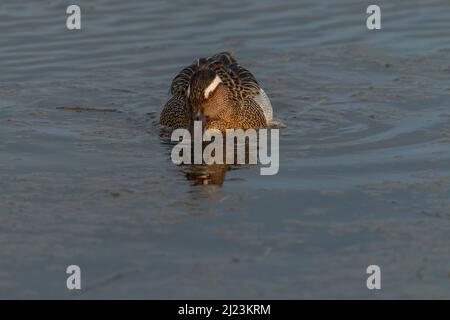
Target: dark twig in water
x=111, y=279
x=85, y=109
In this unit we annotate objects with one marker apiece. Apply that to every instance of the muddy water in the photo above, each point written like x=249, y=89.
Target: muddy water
x=364, y=161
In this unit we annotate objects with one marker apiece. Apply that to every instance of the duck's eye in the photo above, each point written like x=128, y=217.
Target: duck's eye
x=208, y=94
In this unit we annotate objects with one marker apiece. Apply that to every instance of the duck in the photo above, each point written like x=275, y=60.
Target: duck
x=220, y=93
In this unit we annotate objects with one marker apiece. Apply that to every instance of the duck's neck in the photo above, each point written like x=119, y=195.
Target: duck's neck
x=229, y=114
x=225, y=105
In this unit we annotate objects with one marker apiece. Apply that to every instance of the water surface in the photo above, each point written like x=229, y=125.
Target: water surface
x=364, y=161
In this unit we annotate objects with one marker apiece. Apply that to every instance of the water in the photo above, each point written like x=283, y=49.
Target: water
x=364, y=160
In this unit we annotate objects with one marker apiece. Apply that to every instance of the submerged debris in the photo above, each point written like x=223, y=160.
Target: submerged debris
x=86, y=109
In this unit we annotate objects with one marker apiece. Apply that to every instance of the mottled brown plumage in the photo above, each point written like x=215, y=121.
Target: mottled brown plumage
x=218, y=91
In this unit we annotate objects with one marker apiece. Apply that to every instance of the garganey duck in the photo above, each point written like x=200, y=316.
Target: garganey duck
x=220, y=93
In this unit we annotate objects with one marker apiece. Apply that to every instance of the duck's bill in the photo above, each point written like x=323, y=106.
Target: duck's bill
x=198, y=117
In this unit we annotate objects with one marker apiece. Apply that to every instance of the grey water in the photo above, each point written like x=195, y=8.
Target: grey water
x=364, y=159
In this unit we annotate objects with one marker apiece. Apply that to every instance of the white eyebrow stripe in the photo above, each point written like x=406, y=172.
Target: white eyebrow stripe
x=212, y=86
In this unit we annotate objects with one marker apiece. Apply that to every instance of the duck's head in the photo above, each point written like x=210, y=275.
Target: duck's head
x=207, y=96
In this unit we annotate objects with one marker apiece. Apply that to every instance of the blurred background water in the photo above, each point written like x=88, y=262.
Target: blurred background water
x=364, y=161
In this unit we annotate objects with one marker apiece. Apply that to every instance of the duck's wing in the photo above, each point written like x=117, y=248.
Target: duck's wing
x=264, y=103
x=181, y=81
x=240, y=82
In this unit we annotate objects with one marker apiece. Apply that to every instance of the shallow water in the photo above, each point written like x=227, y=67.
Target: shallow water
x=364, y=160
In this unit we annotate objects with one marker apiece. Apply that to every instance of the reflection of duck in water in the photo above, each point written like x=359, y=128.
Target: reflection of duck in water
x=218, y=92
x=213, y=174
